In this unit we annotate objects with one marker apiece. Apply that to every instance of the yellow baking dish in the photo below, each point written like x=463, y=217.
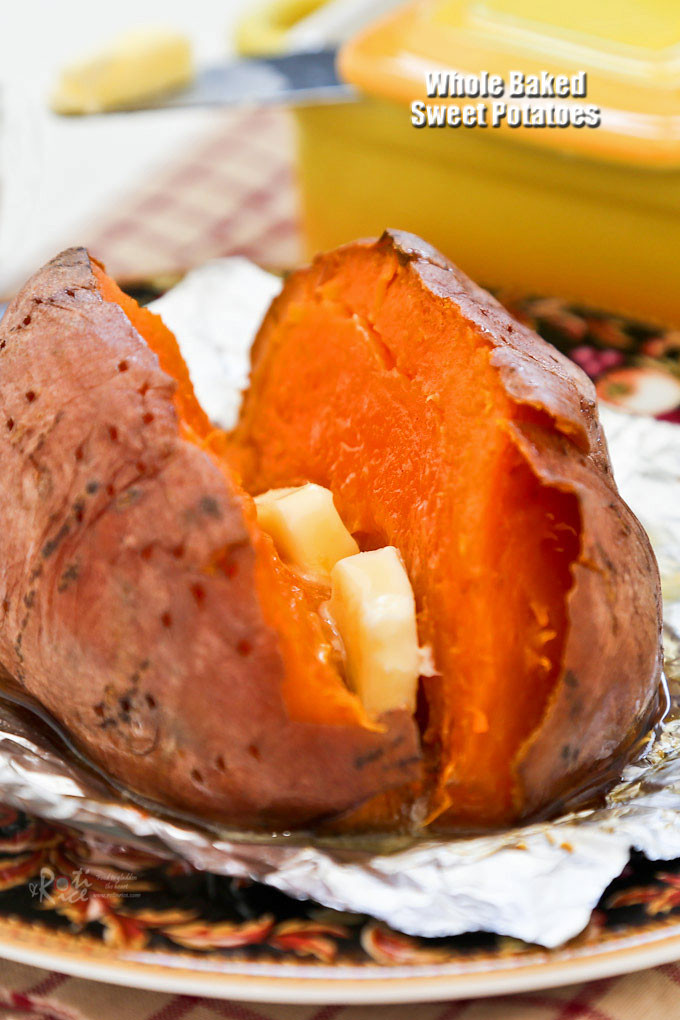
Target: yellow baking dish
x=592, y=214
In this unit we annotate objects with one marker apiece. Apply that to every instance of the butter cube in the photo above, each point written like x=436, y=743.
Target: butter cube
x=306, y=527
x=373, y=608
x=139, y=64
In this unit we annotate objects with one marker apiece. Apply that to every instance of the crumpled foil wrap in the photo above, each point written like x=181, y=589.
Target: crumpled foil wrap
x=538, y=883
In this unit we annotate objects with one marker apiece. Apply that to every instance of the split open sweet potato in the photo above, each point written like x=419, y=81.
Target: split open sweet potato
x=144, y=607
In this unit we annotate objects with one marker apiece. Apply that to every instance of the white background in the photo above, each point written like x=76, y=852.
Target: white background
x=59, y=173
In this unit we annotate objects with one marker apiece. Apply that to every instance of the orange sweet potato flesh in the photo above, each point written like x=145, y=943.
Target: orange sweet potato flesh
x=445, y=428
x=140, y=604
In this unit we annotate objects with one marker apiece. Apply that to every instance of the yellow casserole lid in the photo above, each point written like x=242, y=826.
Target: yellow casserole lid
x=629, y=49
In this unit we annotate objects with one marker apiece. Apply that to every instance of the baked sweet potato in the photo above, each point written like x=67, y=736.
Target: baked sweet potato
x=142, y=605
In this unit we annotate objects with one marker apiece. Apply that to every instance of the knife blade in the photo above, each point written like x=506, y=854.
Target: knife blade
x=301, y=78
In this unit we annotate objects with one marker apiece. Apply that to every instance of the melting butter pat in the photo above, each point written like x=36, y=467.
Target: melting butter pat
x=306, y=527
x=373, y=608
x=136, y=66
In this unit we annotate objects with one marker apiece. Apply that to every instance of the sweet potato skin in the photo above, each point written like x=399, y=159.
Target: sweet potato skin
x=607, y=692
x=112, y=614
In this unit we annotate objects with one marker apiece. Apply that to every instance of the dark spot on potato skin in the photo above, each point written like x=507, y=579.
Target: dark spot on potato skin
x=91, y=488
x=570, y=678
x=128, y=498
x=370, y=756
x=51, y=547
x=403, y=763
x=210, y=507
x=70, y=574
x=611, y=567
x=131, y=718
x=136, y=677
x=575, y=708
x=18, y=651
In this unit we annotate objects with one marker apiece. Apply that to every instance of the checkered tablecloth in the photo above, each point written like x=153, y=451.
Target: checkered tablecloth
x=235, y=194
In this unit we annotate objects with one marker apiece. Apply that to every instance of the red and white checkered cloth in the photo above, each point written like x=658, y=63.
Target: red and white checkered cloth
x=235, y=195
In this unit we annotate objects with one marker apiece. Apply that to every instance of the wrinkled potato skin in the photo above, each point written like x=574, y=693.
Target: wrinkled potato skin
x=608, y=693
x=109, y=520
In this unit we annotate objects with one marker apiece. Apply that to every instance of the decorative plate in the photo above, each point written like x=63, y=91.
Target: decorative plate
x=76, y=905
x=79, y=906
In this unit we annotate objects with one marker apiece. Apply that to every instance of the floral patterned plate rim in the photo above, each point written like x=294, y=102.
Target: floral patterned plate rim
x=301, y=983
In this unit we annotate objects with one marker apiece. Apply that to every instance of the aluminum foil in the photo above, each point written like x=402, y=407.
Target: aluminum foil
x=538, y=883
